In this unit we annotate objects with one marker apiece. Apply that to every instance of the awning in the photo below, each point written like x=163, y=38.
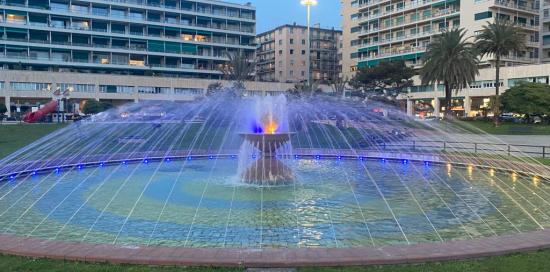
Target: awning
x=16, y=30
x=367, y=49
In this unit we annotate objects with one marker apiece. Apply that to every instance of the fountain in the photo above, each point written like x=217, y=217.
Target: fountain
x=267, y=172
x=268, y=137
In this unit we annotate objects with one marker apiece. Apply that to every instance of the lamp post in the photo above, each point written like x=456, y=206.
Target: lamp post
x=308, y=4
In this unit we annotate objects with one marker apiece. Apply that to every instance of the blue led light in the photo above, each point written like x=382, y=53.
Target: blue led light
x=124, y=162
x=189, y=158
x=339, y=157
x=12, y=177
x=80, y=166
x=33, y=173
x=210, y=157
x=168, y=159
x=233, y=156
x=427, y=163
x=405, y=161
x=383, y=160
x=146, y=161
x=101, y=164
x=318, y=157
x=296, y=156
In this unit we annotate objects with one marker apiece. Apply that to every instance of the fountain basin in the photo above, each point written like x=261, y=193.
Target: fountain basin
x=268, y=170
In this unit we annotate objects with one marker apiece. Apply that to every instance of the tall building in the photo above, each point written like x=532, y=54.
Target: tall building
x=282, y=57
x=386, y=30
x=176, y=38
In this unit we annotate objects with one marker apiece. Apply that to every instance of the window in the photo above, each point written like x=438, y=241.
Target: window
x=80, y=88
x=483, y=15
x=291, y=41
x=303, y=52
x=292, y=51
x=188, y=91
x=280, y=52
x=29, y=86
x=303, y=41
x=116, y=89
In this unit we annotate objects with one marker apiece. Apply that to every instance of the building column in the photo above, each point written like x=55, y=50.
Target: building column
x=7, y=102
x=410, y=107
x=467, y=106
x=437, y=107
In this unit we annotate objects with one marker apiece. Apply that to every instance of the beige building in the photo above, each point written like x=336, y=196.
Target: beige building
x=386, y=30
x=425, y=101
x=20, y=91
x=282, y=57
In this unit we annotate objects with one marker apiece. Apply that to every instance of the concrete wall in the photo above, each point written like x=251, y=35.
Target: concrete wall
x=7, y=95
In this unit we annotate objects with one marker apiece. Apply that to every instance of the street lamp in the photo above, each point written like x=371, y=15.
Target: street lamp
x=308, y=4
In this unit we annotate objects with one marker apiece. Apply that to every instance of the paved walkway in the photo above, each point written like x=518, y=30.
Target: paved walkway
x=276, y=257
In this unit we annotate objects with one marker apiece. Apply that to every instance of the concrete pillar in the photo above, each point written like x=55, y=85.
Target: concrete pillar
x=7, y=102
x=467, y=106
x=410, y=107
x=437, y=107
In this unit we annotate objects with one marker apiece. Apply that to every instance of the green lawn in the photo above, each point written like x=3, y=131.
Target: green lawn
x=532, y=262
x=503, y=128
x=13, y=137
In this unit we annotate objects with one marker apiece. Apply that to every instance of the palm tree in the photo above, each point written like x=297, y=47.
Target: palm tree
x=498, y=39
x=238, y=69
x=450, y=59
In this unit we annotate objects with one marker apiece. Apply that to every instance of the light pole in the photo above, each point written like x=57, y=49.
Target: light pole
x=308, y=4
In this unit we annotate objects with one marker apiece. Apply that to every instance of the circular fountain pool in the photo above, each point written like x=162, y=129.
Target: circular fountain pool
x=332, y=203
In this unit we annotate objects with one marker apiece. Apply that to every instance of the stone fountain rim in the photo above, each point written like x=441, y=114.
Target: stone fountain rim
x=435, y=159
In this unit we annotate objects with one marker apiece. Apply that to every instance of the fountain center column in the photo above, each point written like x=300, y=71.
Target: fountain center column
x=268, y=169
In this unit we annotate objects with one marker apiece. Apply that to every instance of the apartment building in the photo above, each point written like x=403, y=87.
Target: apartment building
x=386, y=30
x=281, y=54
x=174, y=38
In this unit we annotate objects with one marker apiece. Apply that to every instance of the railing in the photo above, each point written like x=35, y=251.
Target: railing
x=247, y=16
x=242, y=29
x=468, y=147
x=514, y=5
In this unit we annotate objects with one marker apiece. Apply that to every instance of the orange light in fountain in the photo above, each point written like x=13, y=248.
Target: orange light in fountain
x=270, y=124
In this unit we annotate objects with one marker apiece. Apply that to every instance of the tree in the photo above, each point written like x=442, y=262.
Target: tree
x=3, y=111
x=94, y=107
x=339, y=86
x=498, y=39
x=450, y=59
x=238, y=69
x=302, y=88
x=527, y=98
x=390, y=78
x=213, y=88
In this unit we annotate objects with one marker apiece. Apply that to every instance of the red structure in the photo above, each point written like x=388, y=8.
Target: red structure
x=33, y=117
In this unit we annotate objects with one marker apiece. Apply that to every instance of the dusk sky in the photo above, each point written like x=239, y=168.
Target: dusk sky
x=272, y=13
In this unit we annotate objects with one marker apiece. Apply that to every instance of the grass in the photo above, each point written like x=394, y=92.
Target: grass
x=16, y=263
x=13, y=137
x=503, y=128
x=533, y=262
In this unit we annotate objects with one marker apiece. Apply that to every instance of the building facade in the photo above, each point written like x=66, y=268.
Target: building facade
x=386, y=30
x=176, y=38
x=281, y=54
x=426, y=101
x=21, y=91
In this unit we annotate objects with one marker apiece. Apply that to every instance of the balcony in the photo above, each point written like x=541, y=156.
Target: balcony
x=446, y=12
x=512, y=5
x=134, y=17
x=133, y=64
x=396, y=52
x=412, y=5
